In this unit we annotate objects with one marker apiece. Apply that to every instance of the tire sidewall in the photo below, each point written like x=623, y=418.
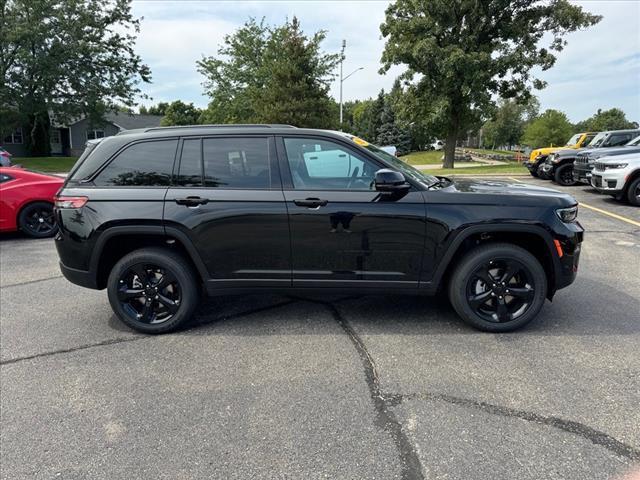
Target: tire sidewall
x=22, y=219
x=631, y=192
x=169, y=261
x=483, y=254
x=558, y=175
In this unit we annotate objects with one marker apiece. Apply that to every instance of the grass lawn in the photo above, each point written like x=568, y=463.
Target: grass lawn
x=510, y=169
x=424, y=158
x=46, y=164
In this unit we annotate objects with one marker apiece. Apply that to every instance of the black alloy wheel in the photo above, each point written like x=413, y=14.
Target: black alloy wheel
x=37, y=220
x=153, y=290
x=498, y=287
x=500, y=290
x=564, y=175
x=148, y=293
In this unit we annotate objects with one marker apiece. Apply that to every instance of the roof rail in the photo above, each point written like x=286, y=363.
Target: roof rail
x=228, y=125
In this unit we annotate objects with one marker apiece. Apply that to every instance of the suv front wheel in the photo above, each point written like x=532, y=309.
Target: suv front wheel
x=153, y=290
x=498, y=287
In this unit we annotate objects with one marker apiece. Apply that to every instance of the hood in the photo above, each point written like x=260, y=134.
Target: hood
x=617, y=158
x=511, y=193
x=548, y=150
x=601, y=152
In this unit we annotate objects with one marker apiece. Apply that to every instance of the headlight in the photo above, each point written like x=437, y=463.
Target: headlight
x=555, y=158
x=614, y=166
x=568, y=215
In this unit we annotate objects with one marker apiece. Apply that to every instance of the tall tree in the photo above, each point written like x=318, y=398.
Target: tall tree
x=180, y=113
x=159, y=109
x=508, y=123
x=270, y=74
x=612, y=119
x=66, y=58
x=460, y=53
x=550, y=128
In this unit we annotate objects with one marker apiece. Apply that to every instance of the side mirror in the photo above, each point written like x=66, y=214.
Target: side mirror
x=390, y=181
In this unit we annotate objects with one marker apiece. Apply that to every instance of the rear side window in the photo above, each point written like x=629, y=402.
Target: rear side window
x=146, y=164
x=620, y=139
x=236, y=163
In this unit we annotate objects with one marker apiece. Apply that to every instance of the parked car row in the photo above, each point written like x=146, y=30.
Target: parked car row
x=608, y=161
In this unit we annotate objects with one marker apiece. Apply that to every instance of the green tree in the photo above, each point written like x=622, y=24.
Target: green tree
x=159, y=109
x=180, y=113
x=390, y=133
x=612, y=119
x=66, y=58
x=508, y=123
x=460, y=53
x=550, y=128
x=270, y=74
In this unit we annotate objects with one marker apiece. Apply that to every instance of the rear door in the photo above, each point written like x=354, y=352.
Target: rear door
x=227, y=198
x=343, y=232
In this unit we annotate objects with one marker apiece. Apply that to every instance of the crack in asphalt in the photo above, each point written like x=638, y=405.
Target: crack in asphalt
x=385, y=418
x=114, y=341
x=28, y=282
x=595, y=436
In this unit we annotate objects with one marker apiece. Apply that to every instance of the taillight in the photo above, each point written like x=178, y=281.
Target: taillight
x=63, y=201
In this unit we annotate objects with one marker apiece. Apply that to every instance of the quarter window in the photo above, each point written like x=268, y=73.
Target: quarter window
x=325, y=165
x=190, y=174
x=142, y=164
x=5, y=178
x=236, y=163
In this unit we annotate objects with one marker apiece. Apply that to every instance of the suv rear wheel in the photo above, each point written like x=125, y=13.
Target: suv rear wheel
x=498, y=287
x=153, y=290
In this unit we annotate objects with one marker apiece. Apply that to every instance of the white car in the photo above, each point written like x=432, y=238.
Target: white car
x=618, y=176
x=437, y=145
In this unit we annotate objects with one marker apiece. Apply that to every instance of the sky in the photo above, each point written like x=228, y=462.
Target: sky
x=599, y=68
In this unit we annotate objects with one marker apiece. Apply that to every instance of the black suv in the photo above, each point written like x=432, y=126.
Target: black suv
x=161, y=215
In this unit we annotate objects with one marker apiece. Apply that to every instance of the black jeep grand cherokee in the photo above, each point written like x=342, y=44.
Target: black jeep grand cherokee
x=160, y=215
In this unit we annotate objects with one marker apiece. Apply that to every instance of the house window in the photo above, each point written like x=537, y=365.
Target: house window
x=93, y=134
x=14, y=138
x=55, y=136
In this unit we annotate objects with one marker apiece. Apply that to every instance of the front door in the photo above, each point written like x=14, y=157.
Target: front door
x=343, y=232
x=227, y=198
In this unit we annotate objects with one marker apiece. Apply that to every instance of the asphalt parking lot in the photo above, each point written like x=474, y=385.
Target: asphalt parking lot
x=329, y=387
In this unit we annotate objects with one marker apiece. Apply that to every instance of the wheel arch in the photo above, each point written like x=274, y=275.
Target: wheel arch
x=116, y=242
x=536, y=240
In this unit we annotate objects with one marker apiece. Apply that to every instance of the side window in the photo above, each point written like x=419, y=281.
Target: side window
x=190, y=174
x=325, y=165
x=5, y=178
x=236, y=163
x=141, y=164
x=617, y=140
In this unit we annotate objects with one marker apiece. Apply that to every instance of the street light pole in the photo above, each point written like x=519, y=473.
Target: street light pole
x=344, y=44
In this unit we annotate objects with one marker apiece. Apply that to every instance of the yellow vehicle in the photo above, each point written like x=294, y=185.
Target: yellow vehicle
x=539, y=155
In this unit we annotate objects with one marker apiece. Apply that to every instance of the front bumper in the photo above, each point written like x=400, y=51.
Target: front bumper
x=568, y=263
x=582, y=175
x=612, y=183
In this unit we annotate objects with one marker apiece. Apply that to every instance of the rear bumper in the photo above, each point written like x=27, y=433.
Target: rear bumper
x=79, y=277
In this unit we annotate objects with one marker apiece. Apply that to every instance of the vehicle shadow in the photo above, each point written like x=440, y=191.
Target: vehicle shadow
x=581, y=310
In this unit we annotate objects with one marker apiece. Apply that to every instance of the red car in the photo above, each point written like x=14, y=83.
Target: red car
x=26, y=201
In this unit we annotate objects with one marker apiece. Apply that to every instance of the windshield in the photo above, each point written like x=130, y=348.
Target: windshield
x=597, y=140
x=406, y=169
x=634, y=142
x=573, y=140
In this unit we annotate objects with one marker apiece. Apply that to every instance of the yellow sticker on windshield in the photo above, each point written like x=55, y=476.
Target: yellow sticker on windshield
x=360, y=141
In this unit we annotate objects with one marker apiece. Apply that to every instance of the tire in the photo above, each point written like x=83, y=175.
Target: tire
x=534, y=173
x=153, y=290
x=541, y=173
x=633, y=192
x=564, y=175
x=496, y=259
x=37, y=220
